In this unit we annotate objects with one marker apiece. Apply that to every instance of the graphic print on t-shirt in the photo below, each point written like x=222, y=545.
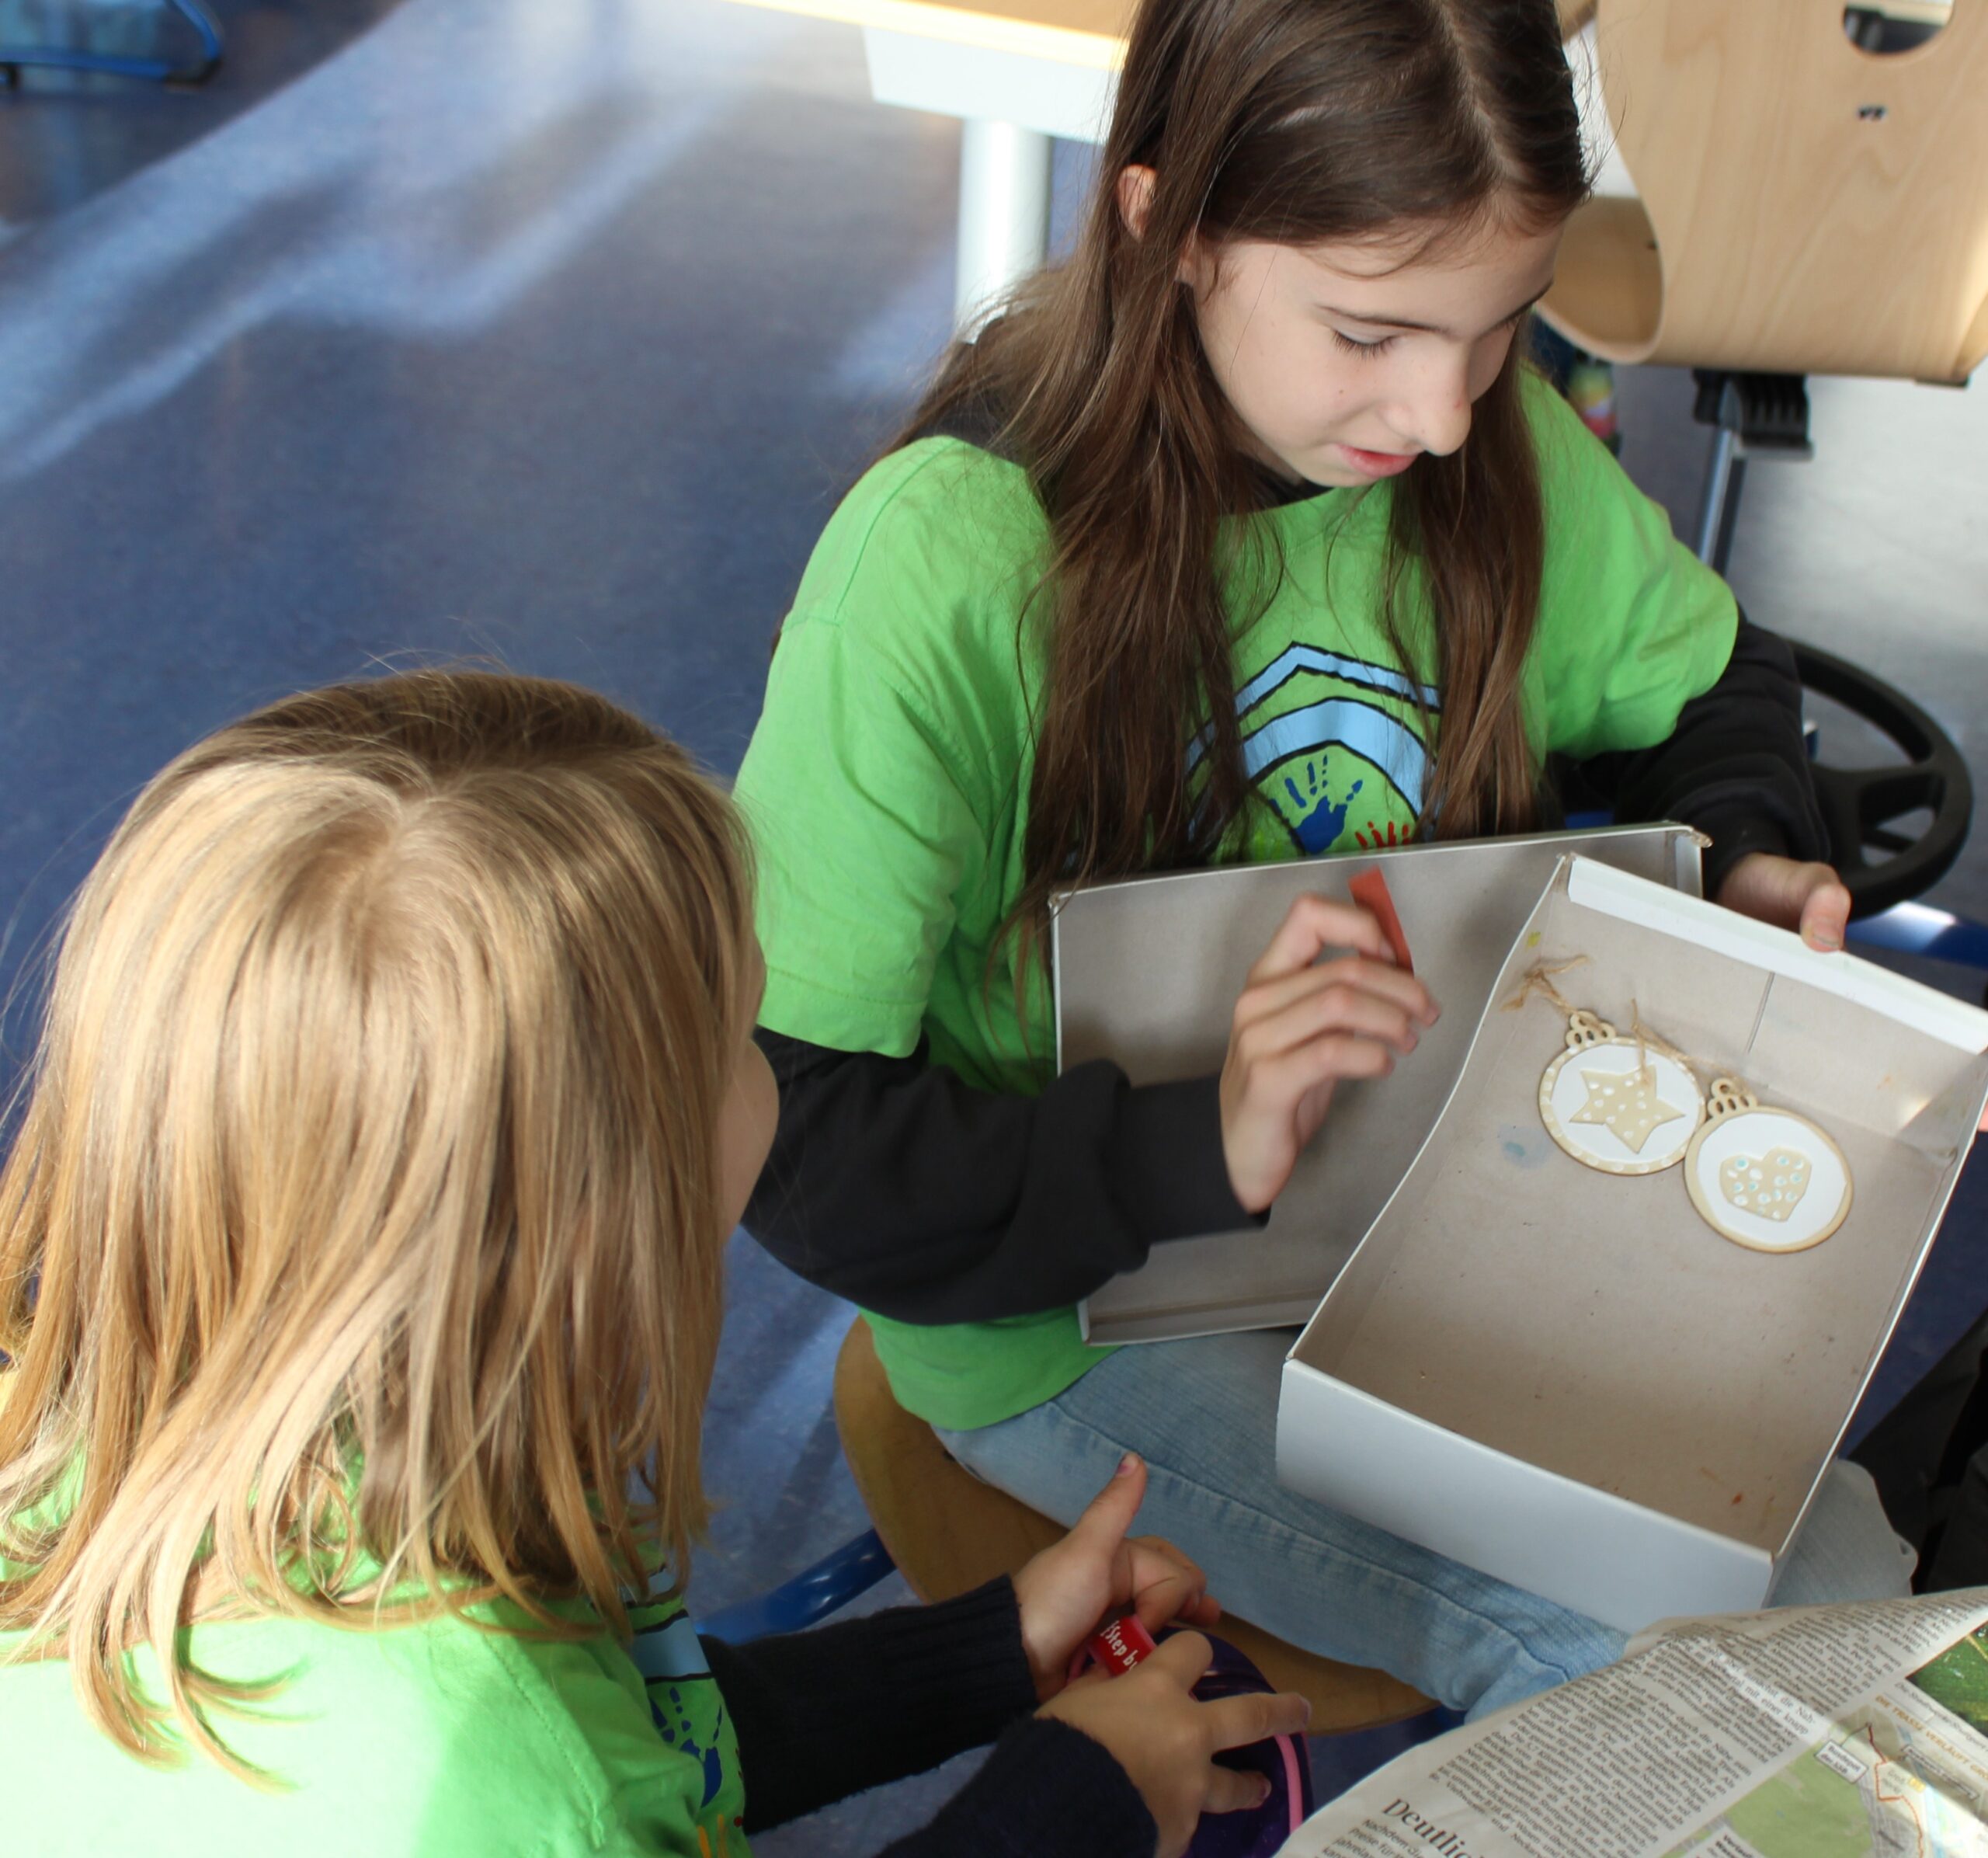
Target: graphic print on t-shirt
x=689, y=1715
x=1331, y=744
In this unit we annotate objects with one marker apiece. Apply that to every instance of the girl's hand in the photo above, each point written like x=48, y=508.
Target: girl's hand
x=1790, y=895
x=1065, y=1592
x=1299, y=1028
x=1166, y=1741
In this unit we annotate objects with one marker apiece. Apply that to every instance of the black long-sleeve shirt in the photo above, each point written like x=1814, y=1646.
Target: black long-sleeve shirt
x=824, y=1714
x=895, y=1184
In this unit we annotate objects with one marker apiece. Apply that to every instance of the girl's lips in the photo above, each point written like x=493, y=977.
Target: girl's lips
x=1379, y=464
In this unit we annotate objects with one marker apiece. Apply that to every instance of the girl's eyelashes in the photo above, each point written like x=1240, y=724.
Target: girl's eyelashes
x=1354, y=346
x=1377, y=345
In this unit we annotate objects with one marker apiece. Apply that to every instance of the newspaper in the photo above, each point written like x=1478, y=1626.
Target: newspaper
x=1814, y=1732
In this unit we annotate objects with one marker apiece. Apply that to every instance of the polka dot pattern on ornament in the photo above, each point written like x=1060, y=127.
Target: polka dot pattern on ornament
x=1771, y=1186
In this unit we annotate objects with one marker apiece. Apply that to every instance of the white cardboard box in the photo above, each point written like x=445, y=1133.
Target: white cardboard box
x=1148, y=971
x=1564, y=1377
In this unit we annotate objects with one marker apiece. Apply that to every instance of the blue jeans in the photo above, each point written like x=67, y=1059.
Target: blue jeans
x=1203, y=1415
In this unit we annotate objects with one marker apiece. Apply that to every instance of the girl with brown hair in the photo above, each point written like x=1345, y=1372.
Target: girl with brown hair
x=1243, y=534
x=360, y=1259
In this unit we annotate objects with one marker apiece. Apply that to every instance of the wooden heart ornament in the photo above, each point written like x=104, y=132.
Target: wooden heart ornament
x=1763, y=1177
x=1771, y=1186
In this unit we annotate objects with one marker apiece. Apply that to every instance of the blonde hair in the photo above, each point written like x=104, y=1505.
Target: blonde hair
x=364, y=1209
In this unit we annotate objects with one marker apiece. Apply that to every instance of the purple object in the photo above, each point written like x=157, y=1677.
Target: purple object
x=1283, y=1759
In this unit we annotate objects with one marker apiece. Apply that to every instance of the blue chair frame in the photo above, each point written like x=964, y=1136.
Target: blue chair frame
x=1919, y=929
x=813, y=1594
x=117, y=64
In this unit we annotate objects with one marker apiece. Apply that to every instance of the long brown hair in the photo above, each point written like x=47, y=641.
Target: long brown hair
x=1298, y=122
x=360, y=1239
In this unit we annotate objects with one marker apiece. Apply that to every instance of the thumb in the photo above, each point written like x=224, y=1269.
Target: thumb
x=1825, y=913
x=1104, y=1524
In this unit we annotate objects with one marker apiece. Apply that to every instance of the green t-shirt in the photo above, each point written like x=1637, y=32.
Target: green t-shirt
x=887, y=780
x=428, y=1740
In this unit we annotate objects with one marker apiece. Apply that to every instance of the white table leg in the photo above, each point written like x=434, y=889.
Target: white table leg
x=1004, y=214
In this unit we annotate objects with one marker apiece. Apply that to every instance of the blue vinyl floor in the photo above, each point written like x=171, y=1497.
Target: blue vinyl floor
x=548, y=332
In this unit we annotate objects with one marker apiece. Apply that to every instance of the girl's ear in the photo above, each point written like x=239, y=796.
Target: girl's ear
x=1134, y=193
x=1196, y=268
x=1134, y=190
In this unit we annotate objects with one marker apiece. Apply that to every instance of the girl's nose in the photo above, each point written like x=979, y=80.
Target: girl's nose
x=1436, y=414
x=1441, y=425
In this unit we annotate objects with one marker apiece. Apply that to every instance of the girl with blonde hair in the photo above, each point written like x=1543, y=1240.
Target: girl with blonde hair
x=360, y=1288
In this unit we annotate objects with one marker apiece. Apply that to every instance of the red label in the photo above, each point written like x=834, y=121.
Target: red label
x=1121, y=1644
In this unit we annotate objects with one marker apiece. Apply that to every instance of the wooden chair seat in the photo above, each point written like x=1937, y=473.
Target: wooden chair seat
x=1806, y=208
x=949, y=1532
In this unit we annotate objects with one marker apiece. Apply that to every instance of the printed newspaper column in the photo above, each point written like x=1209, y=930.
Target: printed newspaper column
x=1851, y=1731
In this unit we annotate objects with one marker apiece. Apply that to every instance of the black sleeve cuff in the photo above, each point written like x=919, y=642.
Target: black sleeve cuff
x=1167, y=1170
x=1735, y=828
x=1047, y=1791
x=823, y=1714
x=1735, y=767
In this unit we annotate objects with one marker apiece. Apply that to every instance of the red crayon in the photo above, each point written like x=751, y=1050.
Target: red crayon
x=1369, y=891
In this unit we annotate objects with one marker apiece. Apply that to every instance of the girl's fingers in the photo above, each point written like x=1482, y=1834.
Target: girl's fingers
x=1313, y=924
x=1089, y=1677
x=1381, y=979
x=1230, y=1791
x=1151, y=1552
x=1333, y=1010
x=1165, y=1585
x=1301, y=1026
x=1183, y=1658
x=1203, y=1610
x=1235, y=1722
x=1173, y=1595
x=1284, y=1079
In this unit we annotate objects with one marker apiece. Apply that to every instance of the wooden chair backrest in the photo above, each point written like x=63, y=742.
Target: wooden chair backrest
x=1805, y=206
x=949, y=1533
